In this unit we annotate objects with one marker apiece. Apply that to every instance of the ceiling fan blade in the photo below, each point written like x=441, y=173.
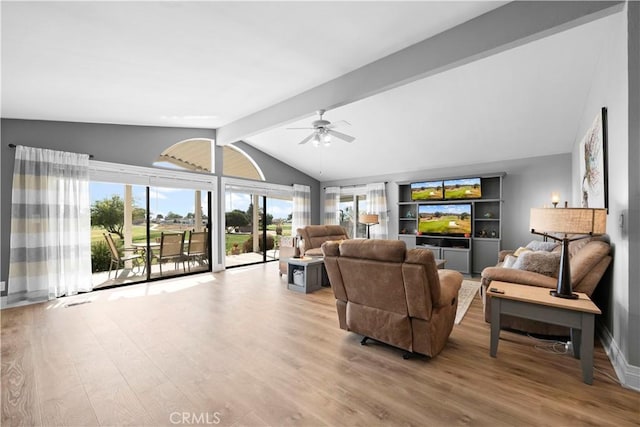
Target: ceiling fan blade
x=342, y=136
x=307, y=139
x=300, y=128
x=338, y=123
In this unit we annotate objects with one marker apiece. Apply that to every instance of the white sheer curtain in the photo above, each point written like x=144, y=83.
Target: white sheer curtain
x=377, y=204
x=301, y=207
x=50, y=224
x=331, y=204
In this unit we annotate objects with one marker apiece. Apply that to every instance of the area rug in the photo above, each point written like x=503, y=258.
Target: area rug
x=466, y=294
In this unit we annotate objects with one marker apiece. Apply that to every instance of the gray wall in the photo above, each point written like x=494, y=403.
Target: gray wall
x=528, y=183
x=615, y=86
x=131, y=145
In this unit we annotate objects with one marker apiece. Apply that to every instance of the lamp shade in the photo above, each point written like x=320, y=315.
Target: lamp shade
x=368, y=219
x=569, y=220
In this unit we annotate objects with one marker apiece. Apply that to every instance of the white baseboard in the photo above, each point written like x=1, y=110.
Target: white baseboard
x=629, y=375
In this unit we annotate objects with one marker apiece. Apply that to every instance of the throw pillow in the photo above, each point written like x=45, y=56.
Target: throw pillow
x=509, y=260
x=536, y=245
x=542, y=262
x=521, y=250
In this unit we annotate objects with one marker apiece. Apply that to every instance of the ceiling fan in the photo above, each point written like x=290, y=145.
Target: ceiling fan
x=323, y=131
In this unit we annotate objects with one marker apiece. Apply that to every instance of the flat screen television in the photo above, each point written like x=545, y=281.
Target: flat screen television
x=427, y=190
x=468, y=188
x=452, y=219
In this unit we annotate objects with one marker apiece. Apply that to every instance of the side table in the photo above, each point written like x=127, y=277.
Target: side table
x=535, y=303
x=304, y=274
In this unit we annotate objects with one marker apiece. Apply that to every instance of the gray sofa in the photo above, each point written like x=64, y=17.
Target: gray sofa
x=589, y=260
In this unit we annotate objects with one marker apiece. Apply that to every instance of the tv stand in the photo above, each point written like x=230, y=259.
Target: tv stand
x=468, y=255
x=455, y=250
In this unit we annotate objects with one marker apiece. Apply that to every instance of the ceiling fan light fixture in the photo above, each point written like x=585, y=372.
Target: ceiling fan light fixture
x=326, y=137
x=316, y=140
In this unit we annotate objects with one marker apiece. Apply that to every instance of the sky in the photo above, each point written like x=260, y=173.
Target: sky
x=180, y=201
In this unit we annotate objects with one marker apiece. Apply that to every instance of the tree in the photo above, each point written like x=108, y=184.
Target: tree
x=236, y=218
x=109, y=214
x=159, y=217
x=138, y=215
x=173, y=216
x=464, y=216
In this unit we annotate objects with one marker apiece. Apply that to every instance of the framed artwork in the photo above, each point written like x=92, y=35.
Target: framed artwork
x=593, y=164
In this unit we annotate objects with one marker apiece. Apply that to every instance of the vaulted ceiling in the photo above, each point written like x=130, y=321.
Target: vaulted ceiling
x=217, y=64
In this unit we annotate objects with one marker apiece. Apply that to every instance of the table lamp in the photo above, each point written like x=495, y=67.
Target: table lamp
x=368, y=220
x=585, y=221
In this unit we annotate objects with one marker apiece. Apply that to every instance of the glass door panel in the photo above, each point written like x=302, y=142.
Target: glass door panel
x=279, y=215
x=253, y=235
x=351, y=206
x=179, y=231
x=118, y=224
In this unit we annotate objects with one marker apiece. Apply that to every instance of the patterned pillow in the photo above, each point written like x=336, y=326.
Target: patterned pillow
x=521, y=250
x=542, y=262
x=509, y=260
x=536, y=245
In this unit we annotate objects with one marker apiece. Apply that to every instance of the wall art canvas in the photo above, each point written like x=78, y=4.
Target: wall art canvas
x=593, y=164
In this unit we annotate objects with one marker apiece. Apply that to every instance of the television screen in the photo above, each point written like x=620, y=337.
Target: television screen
x=468, y=188
x=427, y=190
x=447, y=219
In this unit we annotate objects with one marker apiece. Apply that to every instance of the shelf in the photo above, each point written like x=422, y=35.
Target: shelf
x=486, y=200
x=459, y=251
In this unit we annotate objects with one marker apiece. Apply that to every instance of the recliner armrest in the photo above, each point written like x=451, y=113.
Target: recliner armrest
x=522, y=277
x=450, y=282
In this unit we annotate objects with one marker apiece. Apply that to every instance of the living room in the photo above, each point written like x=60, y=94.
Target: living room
x=529, y=182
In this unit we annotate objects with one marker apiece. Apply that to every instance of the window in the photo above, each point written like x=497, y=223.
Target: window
x=353, y=201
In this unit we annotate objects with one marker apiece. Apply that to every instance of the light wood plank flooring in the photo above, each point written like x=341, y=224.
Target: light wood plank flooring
x=237, y=348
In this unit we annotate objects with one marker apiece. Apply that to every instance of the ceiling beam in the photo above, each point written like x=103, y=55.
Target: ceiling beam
x=506, y=27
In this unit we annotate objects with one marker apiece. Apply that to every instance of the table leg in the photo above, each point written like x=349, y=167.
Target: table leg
x=586, y=347
x=495, y=325
x=576, y=341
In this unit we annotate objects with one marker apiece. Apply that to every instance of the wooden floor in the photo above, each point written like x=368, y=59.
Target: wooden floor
x=237, y=348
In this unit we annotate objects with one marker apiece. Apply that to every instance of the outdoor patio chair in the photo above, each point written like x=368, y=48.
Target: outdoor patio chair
x=197, y=248
x=171, y=249
x=130, y=254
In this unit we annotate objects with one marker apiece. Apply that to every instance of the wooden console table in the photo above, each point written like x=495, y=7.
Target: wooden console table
x=535, y=303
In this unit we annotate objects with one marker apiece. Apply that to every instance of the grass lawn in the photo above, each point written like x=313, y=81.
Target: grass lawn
x=140, y=233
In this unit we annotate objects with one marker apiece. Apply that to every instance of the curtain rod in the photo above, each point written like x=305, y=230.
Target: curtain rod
x=353, y=185
x=14, y=146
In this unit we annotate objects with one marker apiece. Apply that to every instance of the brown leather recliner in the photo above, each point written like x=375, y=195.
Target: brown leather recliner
x=314, y=236
x=394, y=295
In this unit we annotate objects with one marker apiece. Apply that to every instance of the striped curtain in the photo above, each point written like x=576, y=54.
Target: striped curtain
x=301, y=207
x=331, y=204
x=377, y=204
x=50, y=224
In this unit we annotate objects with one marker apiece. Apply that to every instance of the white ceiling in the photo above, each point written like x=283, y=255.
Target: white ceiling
x=206, y=64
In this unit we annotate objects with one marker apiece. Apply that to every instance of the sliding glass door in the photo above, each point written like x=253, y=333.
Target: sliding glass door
x=255, y=222
x=351, y=206
x=148, y=226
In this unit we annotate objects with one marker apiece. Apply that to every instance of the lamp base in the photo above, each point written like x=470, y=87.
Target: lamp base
x=559, y=295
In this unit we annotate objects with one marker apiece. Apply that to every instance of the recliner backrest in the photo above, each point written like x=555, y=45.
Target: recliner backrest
x=315, y=235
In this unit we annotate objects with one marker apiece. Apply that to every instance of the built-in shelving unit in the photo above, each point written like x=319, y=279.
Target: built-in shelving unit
x=467, y=254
